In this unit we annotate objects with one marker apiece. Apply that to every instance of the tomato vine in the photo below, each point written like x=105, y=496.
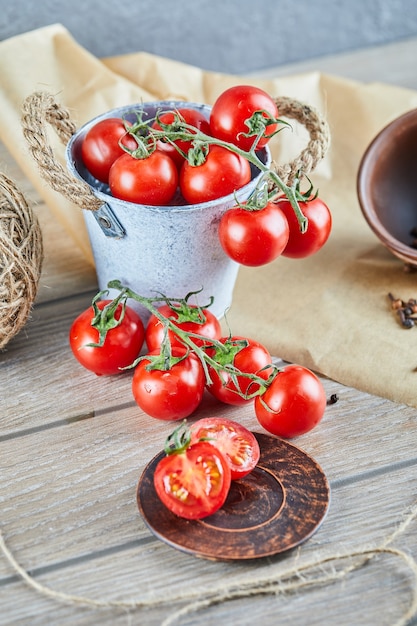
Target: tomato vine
x=148, y=133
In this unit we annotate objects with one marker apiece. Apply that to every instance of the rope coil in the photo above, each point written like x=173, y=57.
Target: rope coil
x=40, y=109
x=21, y=257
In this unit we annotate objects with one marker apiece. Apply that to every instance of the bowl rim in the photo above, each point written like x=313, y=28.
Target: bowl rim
x=397, y=247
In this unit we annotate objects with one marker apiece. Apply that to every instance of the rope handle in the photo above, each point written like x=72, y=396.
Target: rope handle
x=318, y=144
x=40, y=109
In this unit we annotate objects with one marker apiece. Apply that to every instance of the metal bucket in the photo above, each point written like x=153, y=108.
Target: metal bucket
x=171, y=250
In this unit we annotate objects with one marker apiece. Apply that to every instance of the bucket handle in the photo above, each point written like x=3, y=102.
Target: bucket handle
x=40, y=109
x=317, y=146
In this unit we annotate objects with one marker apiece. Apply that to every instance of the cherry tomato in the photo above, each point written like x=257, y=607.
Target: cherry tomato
x=299, y=244
x=249, y=359
x=207, y=326
x=236, y=105
x=169, y=394
x=238, y=445
x=222, y=173
x=152, y=180
x=169, y=150
x=100, y=147
x=254, y=237
x=121, y=346
x=293, y=403
x=193, y=117
x=194, y=483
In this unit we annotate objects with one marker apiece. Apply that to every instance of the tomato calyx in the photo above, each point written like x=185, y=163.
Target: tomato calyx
x=222, y=362
x=179, y=440
x=224, y=352
x=302, y=196
x=104, y=318
x=266, y=384
x=257, y=125
x=185, y=312
x=164, y=360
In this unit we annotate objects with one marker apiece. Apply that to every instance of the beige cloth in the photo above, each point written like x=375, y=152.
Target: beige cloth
x=329, y=312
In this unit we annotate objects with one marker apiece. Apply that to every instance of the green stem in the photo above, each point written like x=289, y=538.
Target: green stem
x=187, y=338
x=190, y=133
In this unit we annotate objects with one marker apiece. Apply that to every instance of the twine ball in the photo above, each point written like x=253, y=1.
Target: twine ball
x=21, y=256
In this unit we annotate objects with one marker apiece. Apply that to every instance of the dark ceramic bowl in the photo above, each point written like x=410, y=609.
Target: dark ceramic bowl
x=387, y=186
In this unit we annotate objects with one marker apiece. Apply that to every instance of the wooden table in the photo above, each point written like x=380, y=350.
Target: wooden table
x=72, y=448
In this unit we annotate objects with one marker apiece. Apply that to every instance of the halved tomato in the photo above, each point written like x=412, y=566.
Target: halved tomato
x=193, y=483
x=238, y=445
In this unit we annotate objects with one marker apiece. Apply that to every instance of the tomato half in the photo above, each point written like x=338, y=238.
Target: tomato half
x=121, y=346
x=302, y=245
x=100, y=147
x=169, y=394
x=236, y=105
x=293, y=404
x=205, y=324
x=152, y=180
x=222, y=173
x=254, y=237
x=254, y=358
x=238, y=445
x=194, y=483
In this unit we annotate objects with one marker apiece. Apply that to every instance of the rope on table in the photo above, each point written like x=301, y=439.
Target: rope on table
x=311, y=574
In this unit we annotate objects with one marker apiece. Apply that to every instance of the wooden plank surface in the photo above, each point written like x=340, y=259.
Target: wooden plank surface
x=72, y=448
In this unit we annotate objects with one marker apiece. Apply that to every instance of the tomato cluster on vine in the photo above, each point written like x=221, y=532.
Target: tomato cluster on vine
x=182, y=353
x=145, y=163
x=183, y=157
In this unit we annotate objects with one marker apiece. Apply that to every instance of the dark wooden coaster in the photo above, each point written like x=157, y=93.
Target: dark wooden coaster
x=280, y=504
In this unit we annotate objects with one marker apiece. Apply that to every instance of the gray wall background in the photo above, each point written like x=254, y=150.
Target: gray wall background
x=232, y=36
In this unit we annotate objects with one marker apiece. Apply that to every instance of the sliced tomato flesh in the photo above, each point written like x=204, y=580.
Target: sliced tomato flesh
x=238, y=444
x=194, y=483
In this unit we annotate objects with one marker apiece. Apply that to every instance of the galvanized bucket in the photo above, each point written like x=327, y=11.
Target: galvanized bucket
x=170, y=250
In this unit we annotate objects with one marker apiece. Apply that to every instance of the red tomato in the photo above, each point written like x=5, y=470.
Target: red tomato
x=152, y=180
x=254, y=237
x=190, y=116
x=207, y=326
x=100, y=147
x=221, y=174
x=299, y=244
x=249, y=360
x=194, y=483
x=170, y=394
x=238, y=445
x=293, y=403
x=169, y=150
x=236, y=105
x=121, y=346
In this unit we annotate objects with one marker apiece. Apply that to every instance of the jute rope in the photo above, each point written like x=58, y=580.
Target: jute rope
x=317, y=572
x=319, y=142
x=21, y=256
x=40, y=110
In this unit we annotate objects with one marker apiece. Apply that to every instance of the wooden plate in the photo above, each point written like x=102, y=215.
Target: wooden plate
x=280, y=504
